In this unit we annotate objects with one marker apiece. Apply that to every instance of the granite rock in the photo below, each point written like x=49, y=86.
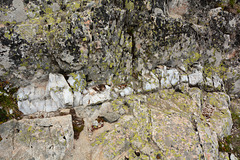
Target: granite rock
x=49, y=138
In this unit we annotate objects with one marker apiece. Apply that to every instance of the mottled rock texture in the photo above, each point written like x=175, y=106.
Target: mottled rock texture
x=114, y=41
x=40, y=139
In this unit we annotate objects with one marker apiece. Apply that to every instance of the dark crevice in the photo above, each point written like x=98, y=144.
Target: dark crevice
x=77, y=122
x=130, y=31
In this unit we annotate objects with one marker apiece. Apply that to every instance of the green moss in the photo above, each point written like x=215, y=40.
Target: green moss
x=77, y=130
x=231, y=2
x=224, y=145
x=7, y=103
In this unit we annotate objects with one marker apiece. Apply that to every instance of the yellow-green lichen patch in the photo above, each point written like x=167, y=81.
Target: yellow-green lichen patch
x=129, y=5
x=211, y=70
x=193, y=57
x=79, y=81
x=100, y=139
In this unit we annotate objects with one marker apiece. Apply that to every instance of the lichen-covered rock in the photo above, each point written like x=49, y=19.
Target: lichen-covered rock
x=107, y=41
x=218, y=113
x=17, y=12
x=78, y=83
x=158, y=125
x=49, y=138
x=111, y=117
x=109, y=48
x=208, y=84
x=218, y=83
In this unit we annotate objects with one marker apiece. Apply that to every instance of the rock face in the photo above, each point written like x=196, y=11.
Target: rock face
x=167, y=124
x=48, y=138
x=141, y=79
x=114, y=42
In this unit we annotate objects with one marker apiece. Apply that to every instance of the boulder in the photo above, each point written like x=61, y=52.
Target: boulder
x=111, y=117
x=39, y=139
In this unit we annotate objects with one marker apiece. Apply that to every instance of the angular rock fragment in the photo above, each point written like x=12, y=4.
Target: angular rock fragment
x=96, y=95
x=59, y=90
x=169, y=78
x=111, y=117
x=78, y=84
x=184, y=79
x=126, y=92
x=217, y=83
x=150, y=81
x=196, y=78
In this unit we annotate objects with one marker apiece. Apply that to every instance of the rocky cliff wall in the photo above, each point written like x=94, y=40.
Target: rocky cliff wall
x=125, y=67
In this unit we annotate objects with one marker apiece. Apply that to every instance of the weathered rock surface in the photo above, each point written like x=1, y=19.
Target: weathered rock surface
x=40, y=139
x=167, y=124
x=77, y=83
x=148, y=34
x=196, y=78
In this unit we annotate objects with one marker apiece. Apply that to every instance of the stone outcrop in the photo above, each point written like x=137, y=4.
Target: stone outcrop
x=165, y=124
x=48, y=138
